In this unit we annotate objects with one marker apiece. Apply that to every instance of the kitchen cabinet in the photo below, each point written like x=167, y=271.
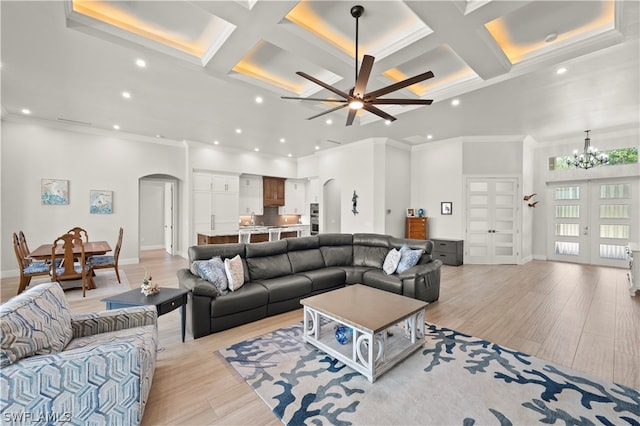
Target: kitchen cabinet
x=313, y=193
x=251, y=197
x=273, y=191
x=294, y=194
x=416, y=228
x=215, y=202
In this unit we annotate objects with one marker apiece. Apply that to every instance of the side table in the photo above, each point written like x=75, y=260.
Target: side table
x=165, y=301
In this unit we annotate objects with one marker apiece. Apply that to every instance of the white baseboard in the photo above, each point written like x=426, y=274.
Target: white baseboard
x=154, y=247
x=539, y=257
x=525, y=260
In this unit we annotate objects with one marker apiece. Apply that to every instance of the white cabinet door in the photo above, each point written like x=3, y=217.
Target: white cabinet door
x=215, y=203
x=294, y=197
x=251, y=195
x=202, y=211
x=225, y=211
x=314, y=191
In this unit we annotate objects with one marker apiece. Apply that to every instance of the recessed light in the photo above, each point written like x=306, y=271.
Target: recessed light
x=126, y=95
x=317, y=147
x=26, y=111
x=455, y=102
x=387, y=122
x=141, y=63
x=256, y=149
x=238, y=131
x=561, y=70
x=289, y=155
x=159, y=136
x=282, y=140
x=116, y=127
x=329, y=121
x=429, y=137
x=216, y=142
x=258, y=99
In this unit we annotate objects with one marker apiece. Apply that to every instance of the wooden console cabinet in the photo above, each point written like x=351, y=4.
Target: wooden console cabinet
x=449, y=251
x=417, y=228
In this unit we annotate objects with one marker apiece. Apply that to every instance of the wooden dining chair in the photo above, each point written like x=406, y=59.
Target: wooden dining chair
x=80, y=233
x=105, y=261
x=27, y=269
x=68, y=269
x=26, y=251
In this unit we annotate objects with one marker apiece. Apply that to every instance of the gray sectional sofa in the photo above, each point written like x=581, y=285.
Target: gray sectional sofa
x=278, y=274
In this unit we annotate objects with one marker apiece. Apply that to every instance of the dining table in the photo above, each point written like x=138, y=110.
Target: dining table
x=91, y=248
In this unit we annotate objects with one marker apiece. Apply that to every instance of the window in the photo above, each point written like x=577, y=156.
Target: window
x=616, y=156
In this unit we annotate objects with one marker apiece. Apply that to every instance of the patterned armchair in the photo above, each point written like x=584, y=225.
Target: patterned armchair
x=93, y=368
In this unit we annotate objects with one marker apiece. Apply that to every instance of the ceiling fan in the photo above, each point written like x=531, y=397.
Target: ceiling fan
x=357, y=98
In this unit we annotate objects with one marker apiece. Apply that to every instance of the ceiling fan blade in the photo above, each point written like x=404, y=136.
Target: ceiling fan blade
x=379, y=112
x=323, y=84
x=363, y=76
x=314, y=99
x=327, y=111
x=390, y=101
x=399, y=85
x=351, y=116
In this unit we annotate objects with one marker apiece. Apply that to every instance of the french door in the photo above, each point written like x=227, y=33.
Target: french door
x=592, y=221
x=491, y=221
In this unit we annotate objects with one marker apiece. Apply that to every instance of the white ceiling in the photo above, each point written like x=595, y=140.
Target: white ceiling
x=208, y=60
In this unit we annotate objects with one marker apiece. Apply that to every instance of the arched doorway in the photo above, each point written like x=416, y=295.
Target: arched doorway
x=332, y=206
x=157, y=223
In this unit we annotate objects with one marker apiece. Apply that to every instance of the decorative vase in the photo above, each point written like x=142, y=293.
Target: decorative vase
x=343, y=334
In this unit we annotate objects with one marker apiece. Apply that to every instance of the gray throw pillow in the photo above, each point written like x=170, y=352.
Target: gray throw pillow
x=213, y=271
x=409, y=259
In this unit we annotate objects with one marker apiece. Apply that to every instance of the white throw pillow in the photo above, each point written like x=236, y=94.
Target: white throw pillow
x=391, y=261
x=235, y=272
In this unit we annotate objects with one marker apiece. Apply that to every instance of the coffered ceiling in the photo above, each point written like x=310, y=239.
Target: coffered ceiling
x=206, y=63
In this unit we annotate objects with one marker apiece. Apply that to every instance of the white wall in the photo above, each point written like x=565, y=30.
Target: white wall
x=436, y=176
x=151, y=216
x=397, y=188
x=31, y=150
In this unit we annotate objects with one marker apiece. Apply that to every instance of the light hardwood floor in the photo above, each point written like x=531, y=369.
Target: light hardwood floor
x=579, y=316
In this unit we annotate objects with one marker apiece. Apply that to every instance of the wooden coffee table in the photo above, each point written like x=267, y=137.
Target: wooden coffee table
x=165, y=301
x=377, y=341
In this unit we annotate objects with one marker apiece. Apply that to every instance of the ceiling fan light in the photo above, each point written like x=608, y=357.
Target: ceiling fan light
x=356, y=104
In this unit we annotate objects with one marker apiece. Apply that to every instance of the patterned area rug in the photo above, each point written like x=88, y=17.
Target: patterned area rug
x=455, y=379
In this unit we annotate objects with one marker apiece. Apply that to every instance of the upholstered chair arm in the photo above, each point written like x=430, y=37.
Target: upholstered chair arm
x=420, y=269
x=94, y=384
x=88, y=324
x=197, y=285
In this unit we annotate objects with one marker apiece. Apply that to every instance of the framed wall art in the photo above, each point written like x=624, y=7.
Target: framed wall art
x=446, y=207
x=411, y=212
x=54, y=191
x=100, y=202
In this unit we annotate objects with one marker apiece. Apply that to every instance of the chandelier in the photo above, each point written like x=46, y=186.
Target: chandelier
x=590, y=157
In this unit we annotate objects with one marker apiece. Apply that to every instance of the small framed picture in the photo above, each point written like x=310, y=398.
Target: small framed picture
x=411, y=212
x=446, y=207
x=100, y=202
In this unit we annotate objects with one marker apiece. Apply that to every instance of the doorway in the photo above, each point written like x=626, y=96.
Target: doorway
x=592, y=221
x=332, y=206
x=158, y=213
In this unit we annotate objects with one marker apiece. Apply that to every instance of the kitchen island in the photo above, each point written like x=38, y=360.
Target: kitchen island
x=259, y=234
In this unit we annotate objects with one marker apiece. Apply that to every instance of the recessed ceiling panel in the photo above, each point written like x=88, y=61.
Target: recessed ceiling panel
x=447, y=67
x=384, y=28
x=270, y=64
x=181, y=26
x=521, y=34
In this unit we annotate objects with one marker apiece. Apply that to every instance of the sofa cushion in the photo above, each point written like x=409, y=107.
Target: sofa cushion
x=268, y=260
x=354, y=273
x=306, y=260
x=35, y=322
x=370, y=249
x=378, y=279
x=336, y=249
x=287, y=287
x=234, y=272
x=225, y=251
x=213, y=271
x=391, y=261
x=326, y=278
x=409, y=258
x=247, y=297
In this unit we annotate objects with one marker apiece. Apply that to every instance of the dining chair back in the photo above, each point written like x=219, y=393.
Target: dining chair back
x=108, y=261
x=68, y=269
x=80, y=232
x=27, y=269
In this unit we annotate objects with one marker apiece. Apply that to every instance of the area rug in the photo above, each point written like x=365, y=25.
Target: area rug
x=106, y=285
x=454, y=379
